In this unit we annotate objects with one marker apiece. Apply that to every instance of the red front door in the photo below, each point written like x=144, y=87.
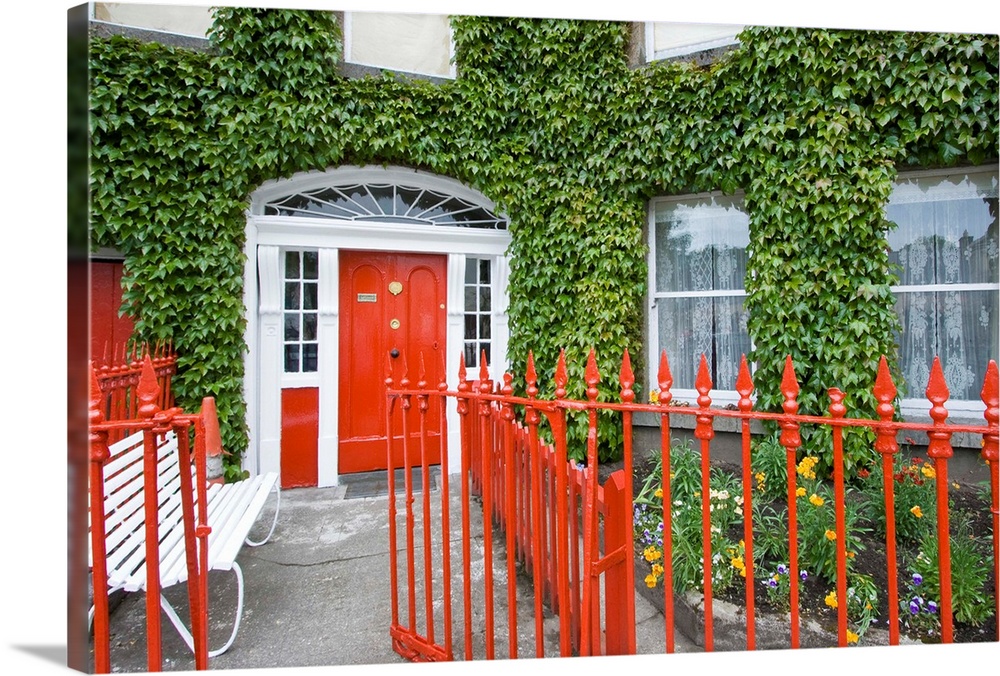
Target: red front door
x=390, y=304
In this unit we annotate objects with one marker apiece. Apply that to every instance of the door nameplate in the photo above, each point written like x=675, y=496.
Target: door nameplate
x=367, y=297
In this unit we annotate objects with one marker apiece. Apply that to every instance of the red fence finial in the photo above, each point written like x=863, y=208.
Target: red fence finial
x=744, y=385
x=148, y=390
x=484, y=369
x=790, y=437
x=561, y=376
x=703, y=383
x=885, y=394
x=991, y=397
x=94, y=403
x=664, y=379
x=939, y=445
x=463, y=387
x=591, y=376
x=627, y=379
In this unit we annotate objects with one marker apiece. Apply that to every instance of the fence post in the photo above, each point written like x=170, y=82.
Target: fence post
x=98, y=456
x=704, y=432
x=791, y=440
x=939, y=448
x=744, y=385
x=991, y=454
x=665, y=380
x=886, y=445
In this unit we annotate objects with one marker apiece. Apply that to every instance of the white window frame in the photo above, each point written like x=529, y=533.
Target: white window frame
x=684, y=50
x=720, y=396
x=919, y=406
x=349, y=41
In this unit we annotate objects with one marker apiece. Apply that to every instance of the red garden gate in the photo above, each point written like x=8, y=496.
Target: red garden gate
x=573, y=538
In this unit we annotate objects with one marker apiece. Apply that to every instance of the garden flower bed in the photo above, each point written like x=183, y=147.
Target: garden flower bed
x=867, y=577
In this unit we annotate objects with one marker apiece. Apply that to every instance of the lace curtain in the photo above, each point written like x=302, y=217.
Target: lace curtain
x=701, y=262
x=946, y=247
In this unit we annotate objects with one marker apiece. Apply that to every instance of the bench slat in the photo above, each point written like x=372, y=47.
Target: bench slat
x=232, y=510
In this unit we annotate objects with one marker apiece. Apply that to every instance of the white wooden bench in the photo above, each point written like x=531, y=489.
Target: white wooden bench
x=233, y=508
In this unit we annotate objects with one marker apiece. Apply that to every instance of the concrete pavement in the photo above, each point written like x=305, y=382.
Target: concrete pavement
x=318, y=593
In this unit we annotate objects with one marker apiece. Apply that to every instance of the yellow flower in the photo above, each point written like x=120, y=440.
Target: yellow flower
x=737, y=563
x=658, y=493
x=954, y=484
x=916, y=511
x=654, y=396
x=852, y=637
x=816, y=500
x=657, y=570
x=806, y=465
x=651, y=553
x=850, y=555
x=743, y=572
x=830, y=535
x=928, y=471
x=831, y=599
x=650, y=580
x=801, y=492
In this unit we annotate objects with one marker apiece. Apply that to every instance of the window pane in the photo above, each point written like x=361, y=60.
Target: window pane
x=470, y=299
x=484, y=299
x=701, y=245
x=959, y=327
x=946, y=229
x=291, y=358
x=309, y=291
x=484, y=271
x=308, y=326
x=291, y=326
x=715, y=327
x=310, y=264
x=292, y=295
x=310, y=357
x=470, y=270
x=470, y=355
x=291, y=265
x=470, y=327
x=484, y=326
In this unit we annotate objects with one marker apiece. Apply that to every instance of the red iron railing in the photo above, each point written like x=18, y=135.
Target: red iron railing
x=551, y=511
x=148, y=417
x=118, y=379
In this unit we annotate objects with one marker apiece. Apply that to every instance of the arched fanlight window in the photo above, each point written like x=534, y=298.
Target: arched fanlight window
x=386, y=203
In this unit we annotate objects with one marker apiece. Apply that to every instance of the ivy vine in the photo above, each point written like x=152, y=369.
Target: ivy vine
x=547, y=119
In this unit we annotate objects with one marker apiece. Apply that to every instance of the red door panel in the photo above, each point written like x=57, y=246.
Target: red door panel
x=375, y=321
x=299, y=437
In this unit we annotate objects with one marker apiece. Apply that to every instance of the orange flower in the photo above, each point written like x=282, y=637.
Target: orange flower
x=830, y=535
x=916, y=511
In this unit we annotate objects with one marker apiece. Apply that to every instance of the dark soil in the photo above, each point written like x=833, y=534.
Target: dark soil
x=871, y=561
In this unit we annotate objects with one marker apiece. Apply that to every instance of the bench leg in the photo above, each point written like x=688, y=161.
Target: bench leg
x=277, y=507
x=183, y=630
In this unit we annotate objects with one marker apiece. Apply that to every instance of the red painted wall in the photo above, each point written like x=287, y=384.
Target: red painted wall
x=299, y=437
x=108, y=331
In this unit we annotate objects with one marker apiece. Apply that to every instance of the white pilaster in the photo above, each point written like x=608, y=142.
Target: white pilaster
x=329, y=356
x=270, y=362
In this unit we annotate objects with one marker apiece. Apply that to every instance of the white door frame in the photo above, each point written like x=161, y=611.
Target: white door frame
x=267, y=237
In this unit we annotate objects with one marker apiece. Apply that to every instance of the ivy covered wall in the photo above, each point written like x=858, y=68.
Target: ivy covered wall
x=549, y=121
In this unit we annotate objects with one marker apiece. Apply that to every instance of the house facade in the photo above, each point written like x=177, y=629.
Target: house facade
x=380, y=255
